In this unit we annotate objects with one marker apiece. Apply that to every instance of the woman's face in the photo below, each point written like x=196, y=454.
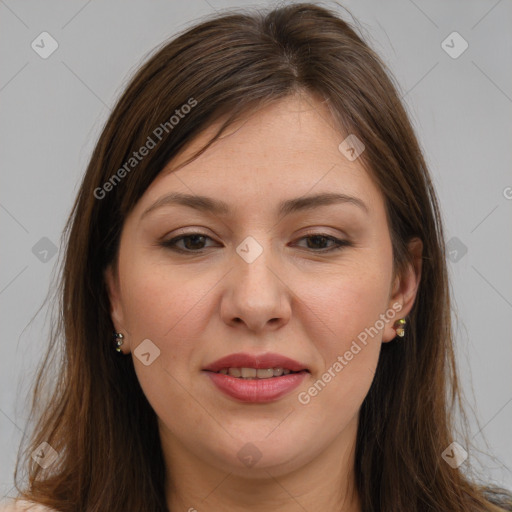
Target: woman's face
x=255, y=279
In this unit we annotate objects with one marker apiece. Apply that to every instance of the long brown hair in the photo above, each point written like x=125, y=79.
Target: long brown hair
x=96, y=415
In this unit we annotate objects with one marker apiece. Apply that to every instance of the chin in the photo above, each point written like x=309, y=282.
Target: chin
x=260, y=454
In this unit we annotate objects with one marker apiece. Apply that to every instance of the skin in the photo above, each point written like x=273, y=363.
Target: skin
x=293, y=299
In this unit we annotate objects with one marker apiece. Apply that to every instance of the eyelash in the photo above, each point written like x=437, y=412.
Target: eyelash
x=171, y=244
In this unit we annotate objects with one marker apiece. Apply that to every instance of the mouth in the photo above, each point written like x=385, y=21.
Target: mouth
x=256, y=378
x=257, y=373
x=247, y=365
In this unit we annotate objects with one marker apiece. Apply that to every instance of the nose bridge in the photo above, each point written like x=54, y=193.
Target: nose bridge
x=254, y=267
x=256, y=294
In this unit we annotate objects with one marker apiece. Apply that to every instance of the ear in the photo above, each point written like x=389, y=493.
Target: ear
x=114, y=295
x=405, y=288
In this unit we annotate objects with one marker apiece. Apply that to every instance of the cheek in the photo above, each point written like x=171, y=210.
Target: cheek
x=158, y=302
x=348, y=301
x=345, y=323
x=168, y=306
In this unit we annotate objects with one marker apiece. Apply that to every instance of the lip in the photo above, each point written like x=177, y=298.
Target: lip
x=256, y=390
x=245, y=360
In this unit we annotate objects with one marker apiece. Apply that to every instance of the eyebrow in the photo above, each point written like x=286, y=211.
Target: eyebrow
x=216, y=206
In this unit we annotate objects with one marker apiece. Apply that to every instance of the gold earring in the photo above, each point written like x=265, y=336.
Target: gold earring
x=118, y=340
x=400, y=329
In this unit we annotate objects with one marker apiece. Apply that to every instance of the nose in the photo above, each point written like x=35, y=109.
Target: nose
x=256, y=294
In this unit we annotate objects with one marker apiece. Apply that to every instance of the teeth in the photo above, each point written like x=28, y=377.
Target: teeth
x=255, y=373
x=263, y=373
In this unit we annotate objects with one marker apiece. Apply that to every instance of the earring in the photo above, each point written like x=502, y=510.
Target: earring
x=400, y=329
x=118, y=340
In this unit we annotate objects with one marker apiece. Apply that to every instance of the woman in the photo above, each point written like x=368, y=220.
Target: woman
x=258, y=228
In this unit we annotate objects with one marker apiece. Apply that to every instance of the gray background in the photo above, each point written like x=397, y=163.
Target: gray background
x=53, y=110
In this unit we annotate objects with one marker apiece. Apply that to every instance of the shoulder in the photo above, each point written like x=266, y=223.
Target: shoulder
x=22, y=506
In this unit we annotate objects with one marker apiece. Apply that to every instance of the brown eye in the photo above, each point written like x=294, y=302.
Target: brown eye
x=319, y=240
x=193, y=242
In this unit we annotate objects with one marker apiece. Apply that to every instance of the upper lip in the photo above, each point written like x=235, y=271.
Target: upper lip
x=244, y=360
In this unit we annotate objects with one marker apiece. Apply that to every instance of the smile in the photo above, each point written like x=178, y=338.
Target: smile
x=255, y=373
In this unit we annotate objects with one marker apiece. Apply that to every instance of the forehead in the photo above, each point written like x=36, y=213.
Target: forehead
x=287, y=149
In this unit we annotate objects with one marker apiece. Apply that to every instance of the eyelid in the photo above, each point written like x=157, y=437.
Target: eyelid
x=182, y=232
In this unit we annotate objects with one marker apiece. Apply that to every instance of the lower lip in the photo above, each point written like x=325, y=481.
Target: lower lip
x=257, y=390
